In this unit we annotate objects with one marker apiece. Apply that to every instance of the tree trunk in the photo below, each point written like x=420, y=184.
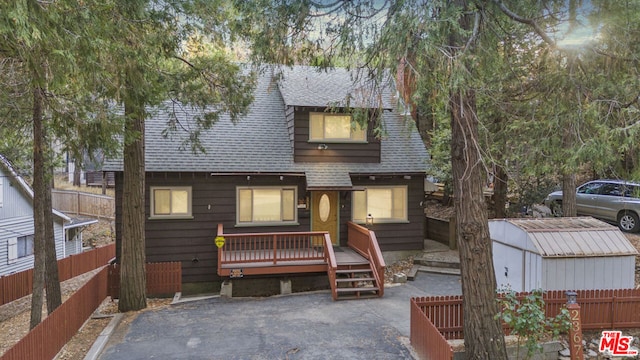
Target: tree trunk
x=37, y=297
x=52, y=280
x=483, y=335
x=132, y=259
x=569, y=208
x=77, y=172
x=500, y=180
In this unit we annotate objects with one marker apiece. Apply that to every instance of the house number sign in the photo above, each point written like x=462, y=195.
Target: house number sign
x=575, y=332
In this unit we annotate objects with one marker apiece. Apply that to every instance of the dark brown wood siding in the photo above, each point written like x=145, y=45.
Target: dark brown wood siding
x=191, y=241
x=392, y=236
x=289, y=113
x=305, y=151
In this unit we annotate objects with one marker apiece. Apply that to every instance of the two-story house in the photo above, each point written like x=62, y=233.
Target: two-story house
x=294, y=163
x=17, y=225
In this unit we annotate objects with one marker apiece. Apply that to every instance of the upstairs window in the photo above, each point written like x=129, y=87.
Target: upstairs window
x=171, y=202
x=335, y=127
x=266, y=205
x=386, y=204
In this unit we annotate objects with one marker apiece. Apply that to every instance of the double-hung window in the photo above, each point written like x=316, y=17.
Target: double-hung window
x=335, y=128
x=171, y=202
x=20, y=247
x=266, y=205
x=383, y=203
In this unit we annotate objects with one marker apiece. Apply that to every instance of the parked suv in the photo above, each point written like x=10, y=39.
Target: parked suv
x=615, y=201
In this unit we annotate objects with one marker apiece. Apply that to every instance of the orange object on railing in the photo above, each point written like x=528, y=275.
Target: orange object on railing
x=364, y=241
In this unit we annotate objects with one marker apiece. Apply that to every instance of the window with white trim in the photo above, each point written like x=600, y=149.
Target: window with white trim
x=19, y=247
x=383, y=203
x=170, y=202
x=335, y=128
x=266, y=205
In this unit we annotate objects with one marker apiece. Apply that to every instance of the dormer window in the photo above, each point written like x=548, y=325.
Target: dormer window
x=335, y=128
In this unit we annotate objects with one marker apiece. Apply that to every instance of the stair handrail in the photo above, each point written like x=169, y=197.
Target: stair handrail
x=377, y=261
x=332, y=265
x=369, y=249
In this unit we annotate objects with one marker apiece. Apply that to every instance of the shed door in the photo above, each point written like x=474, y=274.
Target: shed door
x=508, y=263
x=324, y=213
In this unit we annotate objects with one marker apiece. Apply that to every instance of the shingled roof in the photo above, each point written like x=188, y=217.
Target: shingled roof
x=312, y=86
x=259, y=142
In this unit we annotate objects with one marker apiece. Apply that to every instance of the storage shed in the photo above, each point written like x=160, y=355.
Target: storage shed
x=561, y=254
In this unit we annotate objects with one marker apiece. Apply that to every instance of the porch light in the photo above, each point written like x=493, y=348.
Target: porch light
x=323, y=146
x=572, y=297
x=369, y=220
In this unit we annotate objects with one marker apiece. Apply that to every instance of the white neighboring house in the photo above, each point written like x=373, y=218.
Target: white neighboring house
x=17, y=225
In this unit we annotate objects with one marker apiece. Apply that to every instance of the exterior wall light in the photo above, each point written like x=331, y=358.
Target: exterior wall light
x=369, y=221
x=323, y=146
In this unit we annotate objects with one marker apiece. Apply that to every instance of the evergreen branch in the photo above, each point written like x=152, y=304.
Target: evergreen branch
x=526, y=21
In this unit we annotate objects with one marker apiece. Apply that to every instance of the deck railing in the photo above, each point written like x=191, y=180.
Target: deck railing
x=332, y=265
x=364, y=241
x=273, y=249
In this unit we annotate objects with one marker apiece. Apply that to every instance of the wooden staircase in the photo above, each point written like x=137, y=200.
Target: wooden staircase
x=355, y=276
x=356, y=271
x=356, y=281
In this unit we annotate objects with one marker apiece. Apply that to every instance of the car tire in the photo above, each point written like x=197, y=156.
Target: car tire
x=556, y=208
x=628, y=221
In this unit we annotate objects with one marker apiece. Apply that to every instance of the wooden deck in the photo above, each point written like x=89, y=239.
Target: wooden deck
x=249, y=254
x=346, y=256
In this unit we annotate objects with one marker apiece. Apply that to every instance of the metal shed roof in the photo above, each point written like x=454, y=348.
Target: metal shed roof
x=575, y=237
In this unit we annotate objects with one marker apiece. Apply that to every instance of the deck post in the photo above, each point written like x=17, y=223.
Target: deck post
x=275, y=249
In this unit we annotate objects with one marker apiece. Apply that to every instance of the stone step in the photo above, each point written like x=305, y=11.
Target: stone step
x=439, y=270
x=425, y=261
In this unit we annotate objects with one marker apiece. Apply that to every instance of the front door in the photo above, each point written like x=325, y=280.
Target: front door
x=324, y=213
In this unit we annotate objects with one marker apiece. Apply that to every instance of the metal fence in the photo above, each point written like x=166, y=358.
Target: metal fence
x=599, y=309
x=80, y=203
x=20, y=284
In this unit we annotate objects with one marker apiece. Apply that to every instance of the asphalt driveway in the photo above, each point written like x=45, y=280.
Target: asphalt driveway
x=299, y=326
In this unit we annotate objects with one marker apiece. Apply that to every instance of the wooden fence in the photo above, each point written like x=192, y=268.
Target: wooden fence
x=162, y=279
x=599, y=309
x=425, y=338
x=46, y=339
x=17, y=285
x=80, y=203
